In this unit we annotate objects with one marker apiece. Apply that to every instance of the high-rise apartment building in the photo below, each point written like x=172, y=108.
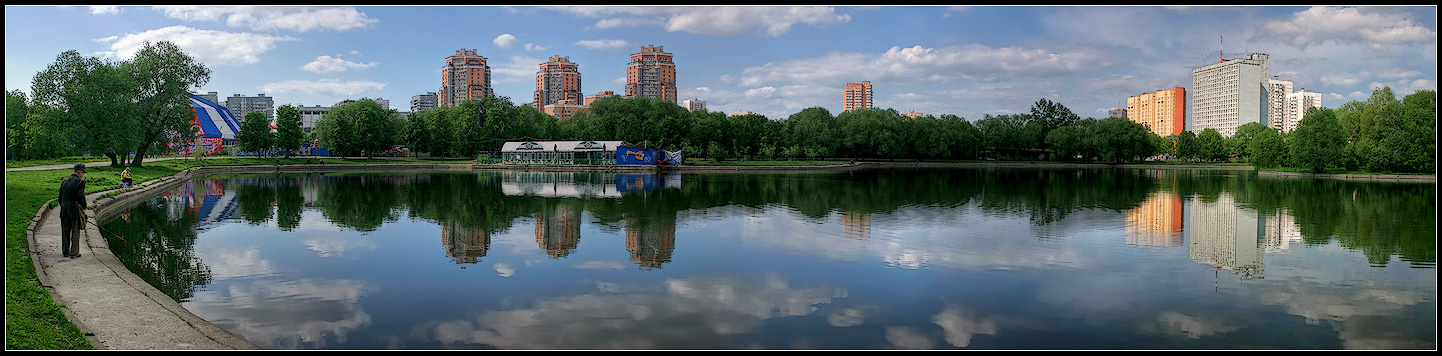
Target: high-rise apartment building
x=651, y=74
x=242, y=105
x=1229, y=94
x=600, y=94
x=558, y=79
x=1117, y=112
x=1277, y=90
x=1164, y=111
x=856, y=96
x=309, y=115
x=423, y=102
x=563, y=109
x=694, y=105
x=465, y=77
x=214, y=97
x=1297, y=105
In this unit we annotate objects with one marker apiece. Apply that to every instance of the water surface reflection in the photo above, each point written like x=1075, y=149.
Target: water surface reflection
x=878, y=259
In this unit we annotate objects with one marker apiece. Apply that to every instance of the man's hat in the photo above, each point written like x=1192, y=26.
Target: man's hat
x=80, y=167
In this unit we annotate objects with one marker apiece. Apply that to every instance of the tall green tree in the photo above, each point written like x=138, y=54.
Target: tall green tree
x=1187, y=145
x=1210, y=145
x=254, y=135
x=165, y=76
x=1241, y=141
x=419, y=134
x=814, y=132
x=90, y=104
x=967, y=144
x=1417, y=138
x=288, y=133
x=1267, y=149
x=1317, y=142
x=17, y=108
x=1047, y=115
x=360, y=127
x=1124, y=140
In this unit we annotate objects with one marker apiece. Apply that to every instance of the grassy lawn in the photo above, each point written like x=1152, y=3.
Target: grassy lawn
x=32, y=319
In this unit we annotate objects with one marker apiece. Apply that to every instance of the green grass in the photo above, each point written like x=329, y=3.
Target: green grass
x=32, y=319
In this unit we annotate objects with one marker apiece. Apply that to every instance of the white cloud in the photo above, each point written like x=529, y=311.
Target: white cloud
x=504, y=269
x=1395, y=73
x=961, y=324
x=1344, y=79
x=712, y=20
x=505, y=40
x=1191, y=326
x=104, y=10
x=519, y=69
x=1404, y=87
x=323, y=87
x=603, y=44
x=762, y=92
x=207, y=46
x=328, y=64
x=535, y=47
x=919, y=65
x=271, y=18
x=1320, y=24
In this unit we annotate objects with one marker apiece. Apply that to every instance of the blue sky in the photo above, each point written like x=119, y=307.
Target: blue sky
x=776, y=61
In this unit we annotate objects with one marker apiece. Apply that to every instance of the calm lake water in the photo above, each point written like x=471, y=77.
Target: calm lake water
x=983, y=258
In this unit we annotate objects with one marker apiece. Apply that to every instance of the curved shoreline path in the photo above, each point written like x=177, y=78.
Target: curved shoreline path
x=115, y=308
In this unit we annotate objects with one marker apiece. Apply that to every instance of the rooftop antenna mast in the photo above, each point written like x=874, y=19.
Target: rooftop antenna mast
x=1219, y=50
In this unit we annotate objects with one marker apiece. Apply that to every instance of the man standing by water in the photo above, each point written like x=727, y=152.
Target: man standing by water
x=72, y=201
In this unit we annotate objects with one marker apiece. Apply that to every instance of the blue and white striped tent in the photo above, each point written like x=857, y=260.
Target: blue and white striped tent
x=215, y=121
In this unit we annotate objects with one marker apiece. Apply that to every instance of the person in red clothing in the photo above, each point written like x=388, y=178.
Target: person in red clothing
x=72, y=202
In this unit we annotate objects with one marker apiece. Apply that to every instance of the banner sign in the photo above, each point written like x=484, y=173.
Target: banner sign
x=636, y=155
x=647, y=156
x=628, y=183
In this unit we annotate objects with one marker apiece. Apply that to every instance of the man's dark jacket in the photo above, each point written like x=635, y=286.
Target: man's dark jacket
x=72, y=197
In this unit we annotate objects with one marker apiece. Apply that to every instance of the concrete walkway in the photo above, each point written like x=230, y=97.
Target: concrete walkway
x=117, y=309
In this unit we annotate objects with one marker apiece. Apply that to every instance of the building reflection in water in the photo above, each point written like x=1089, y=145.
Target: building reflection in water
x=466, y=245
x=651, y=241
x=558, y=230
x=559, y=184
x=1226, y=236
x=856, y=225
x=1282, y=231
x=1156, y=222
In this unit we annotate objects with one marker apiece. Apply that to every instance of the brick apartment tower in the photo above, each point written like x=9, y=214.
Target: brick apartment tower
x=1164, y=111
x=465, y=77
x=557, y=80
x=651, y=74
x=856, y=96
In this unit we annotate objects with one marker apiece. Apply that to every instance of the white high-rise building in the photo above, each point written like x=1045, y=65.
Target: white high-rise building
x=309, y=115
x=1297, y=105
x=423, y=102
x=694, y=105
x=214, y=97
x=1229, y=94
x=241, y=105
x=1277, y=92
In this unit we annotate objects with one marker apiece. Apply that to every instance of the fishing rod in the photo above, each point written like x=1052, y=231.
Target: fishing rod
x=102, y=230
